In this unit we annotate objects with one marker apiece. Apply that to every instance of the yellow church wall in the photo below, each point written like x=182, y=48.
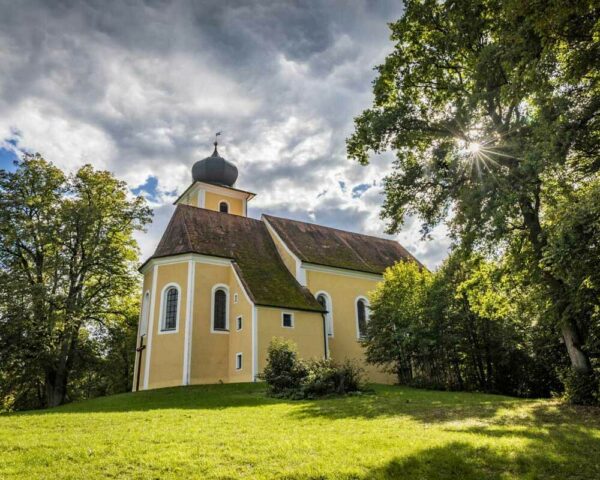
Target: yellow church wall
x=240, y=341
x=343, y=291
x=307, y=333
x=141, y=358
x=212, y=200
x=209, y=359
x=166, y=356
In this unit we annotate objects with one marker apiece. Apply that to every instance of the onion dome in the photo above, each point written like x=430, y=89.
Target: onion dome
x=215, y=169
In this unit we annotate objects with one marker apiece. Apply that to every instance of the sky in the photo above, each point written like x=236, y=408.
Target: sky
x=140, y=88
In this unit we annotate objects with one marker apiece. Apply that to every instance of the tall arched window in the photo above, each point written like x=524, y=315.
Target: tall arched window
x=170, y=309
x=220, y=309
x=325, y=302
x=362, y=317
x=223, y=207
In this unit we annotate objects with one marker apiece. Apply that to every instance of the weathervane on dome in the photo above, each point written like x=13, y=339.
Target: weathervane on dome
x=216, y=143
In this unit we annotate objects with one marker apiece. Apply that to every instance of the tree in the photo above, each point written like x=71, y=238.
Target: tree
x=397, y=313
x=66, y=253
x=471, y=325
x=486, y=103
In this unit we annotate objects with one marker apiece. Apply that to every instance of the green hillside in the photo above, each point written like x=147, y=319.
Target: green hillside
x=233, y=431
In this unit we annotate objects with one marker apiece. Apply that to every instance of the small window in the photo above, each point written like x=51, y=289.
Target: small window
x=287, y=320
x=171, y=299
x=238, y=323
x=223, y=207
x=238, y=361
x=235, y=298
x=362, y=317
x=220, y=309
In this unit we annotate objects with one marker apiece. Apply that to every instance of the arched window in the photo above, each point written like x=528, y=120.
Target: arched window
x=220, y=309
x=170, y=309
x=362, y=316
x=223, y=207
x=325, y=302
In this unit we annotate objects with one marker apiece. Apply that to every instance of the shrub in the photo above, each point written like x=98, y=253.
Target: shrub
x=287, y=376
x=581, y=388
x=284, y=371
x=327, y=377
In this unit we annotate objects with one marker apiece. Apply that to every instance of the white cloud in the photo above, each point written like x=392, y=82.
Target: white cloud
x=141, y=87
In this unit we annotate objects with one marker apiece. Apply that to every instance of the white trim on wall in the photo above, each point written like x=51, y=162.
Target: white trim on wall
x=300, y=273
x=187, y=342
x=150, y=326
x=366, y=300
x=163, y=306
x=198, y=258
x=342, y=271
x=212, y=308
x=254, y=343
x=329, y=314
x=201, y=198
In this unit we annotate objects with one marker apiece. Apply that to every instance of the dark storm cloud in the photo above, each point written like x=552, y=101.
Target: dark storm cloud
x=140, y=87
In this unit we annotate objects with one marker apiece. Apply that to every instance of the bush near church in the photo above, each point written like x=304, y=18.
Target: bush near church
x=287, y=376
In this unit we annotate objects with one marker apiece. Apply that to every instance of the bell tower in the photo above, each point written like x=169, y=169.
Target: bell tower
x=213, y=180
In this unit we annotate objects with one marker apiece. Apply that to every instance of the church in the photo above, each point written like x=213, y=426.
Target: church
x=221, y=285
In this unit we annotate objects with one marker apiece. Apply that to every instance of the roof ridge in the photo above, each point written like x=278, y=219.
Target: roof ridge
x=333, y=228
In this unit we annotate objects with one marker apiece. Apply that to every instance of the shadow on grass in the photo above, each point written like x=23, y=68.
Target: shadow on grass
x=560, y=441
x=196, y=397
x=549, y=442
x=427, y=406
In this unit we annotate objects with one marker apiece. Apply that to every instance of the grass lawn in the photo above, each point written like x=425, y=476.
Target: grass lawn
x=234, y=431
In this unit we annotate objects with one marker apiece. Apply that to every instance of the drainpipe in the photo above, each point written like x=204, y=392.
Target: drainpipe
x=324, y=315
x=139, y=351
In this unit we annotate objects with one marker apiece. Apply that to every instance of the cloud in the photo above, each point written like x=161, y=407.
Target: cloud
x=141, y=87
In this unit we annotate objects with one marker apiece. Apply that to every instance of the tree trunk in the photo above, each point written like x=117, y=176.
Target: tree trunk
x=579, y=359
x=56, y=388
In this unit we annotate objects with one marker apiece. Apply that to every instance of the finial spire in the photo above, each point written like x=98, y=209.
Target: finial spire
x=215, y=153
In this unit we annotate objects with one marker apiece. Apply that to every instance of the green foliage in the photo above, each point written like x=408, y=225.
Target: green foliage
x=67, y=274
x=327, y=377
x=288, y=376
x=492, y=109
x=469, y=326
x=284, y=371
x=581, y=388
x=397, y=319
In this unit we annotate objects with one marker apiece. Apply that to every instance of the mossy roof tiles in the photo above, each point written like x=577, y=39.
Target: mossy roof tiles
x=331, y=247
x=244, y=240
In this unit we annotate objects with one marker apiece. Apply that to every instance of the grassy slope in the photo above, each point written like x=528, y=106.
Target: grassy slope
x=233, y=431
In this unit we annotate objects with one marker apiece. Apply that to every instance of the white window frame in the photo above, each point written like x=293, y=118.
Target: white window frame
x=216, y=287
x=239, y=323
x=240, y=356
x=226, y=202
x=145, y=314
x=329, y=314
x=163, y=309
x=366, y=300
x=235, y=298
x=291, y=314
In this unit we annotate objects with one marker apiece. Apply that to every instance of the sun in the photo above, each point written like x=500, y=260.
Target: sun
x=473, y=147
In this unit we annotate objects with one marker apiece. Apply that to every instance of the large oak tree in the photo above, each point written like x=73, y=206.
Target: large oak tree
x=491, y=106
x=67, y=255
